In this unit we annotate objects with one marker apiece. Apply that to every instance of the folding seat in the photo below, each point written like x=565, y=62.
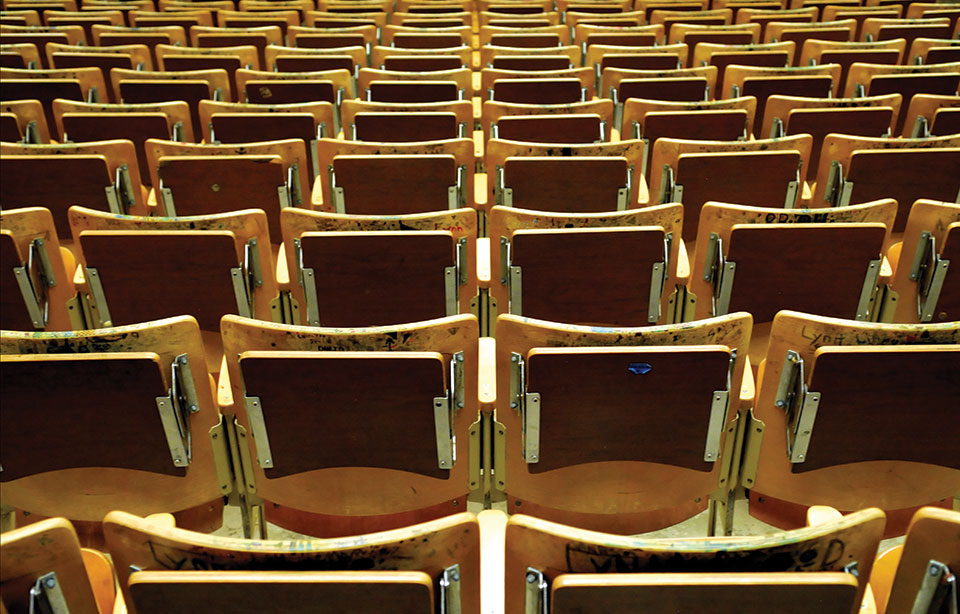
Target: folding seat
x=38, y=291
x=924, y=288
x=84, y=19
x=349, y=6
x=598, y=6
x=40, y=5
x=485, y=18
x=222, y=36
x=19, y=55
x=20, y=18
x=874, y=79
x=297, y=576
x=389, y=122
x=422, y=63
x=515, y=8
x=840, y=30
x=371, y=178
x=731, y=34
x=41, y=35
x=311, y=59
x=714, y=17
x=648, y=6
x=861, y=14
x=330, y=19
x=46, y=85
x=190, y=86
x=678, y=85
x=380, y=270
x=878, y=29
x=857, y=169
x=490, y=54
x=762, y=82
x=419, y=37
x=931, y=10
x=82, y=122
x=764, y=173
x=267, y=87
x=792, y=572
x=29, y=122
x=548, y=461
x=380, y=54
x=736, y=5
x=101, y=175
x=432, y=20
x=657, y=57
x=231, y=59
x=564, y=177
x=765, y=16
x=44, y=566
x=774, y=55
x=206, y=179
x=493, y=112
x=555, y=35
x=867, y=116
x=127, y=377
x=932, y=115
x=566, y=86
x=853, y=374
x=378, y=85
x=361, y=35
x=136, y=57
x=934, y=51
x=170, y=6
x=185, y=18
x=847, y=53
x=920, y=574
x=719, y=120
x=624, y=19
x=283, y=19
x=108, y=36
x=262, y=6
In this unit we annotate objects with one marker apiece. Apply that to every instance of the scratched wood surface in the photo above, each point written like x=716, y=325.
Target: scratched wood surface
x=638, y=109
x=493, y=110
x=341, y=80
x=934, y=534
x=941, y=220
x=87, y=494
x=616, y=496
x=613, y=76
x=429, y=547
x=556, y=549
x=319, y=112
x=462, y=110
x=581, y=184
x=888, y=484
x=35, y=550
x=27, y=111
x=340, y=501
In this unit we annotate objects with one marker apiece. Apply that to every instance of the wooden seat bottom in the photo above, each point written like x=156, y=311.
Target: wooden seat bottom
x=620, y=523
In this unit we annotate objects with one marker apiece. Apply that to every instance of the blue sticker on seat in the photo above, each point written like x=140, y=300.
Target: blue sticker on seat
x=639, y=368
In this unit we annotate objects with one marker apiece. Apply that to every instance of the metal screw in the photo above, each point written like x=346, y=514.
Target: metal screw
x=531, y=578
x=50, y=582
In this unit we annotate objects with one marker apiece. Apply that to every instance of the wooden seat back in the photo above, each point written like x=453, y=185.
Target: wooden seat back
x=909, y=29
x=313, y=59
x=40, y=36
x=488, y=53
x=378, y=128
x=860, y=373
x=102, y=175
x=230, y=59
x=127, y=458
x=190, y=86
x=463, y=77
x=266, y=87
x=573, y=128
x=417, y=63
x=927, y=109
x=933, y=51
x=731, y=34
x=861, y=14
x=840, y=30
x=19, y=55
x=659, y=57
x=106, y=58
x=563, y=554
x=488, y=32
x=405, y=36
x=185, y=18
x=108, y=36
x=47, y=85
x=413, y=91
x=283, y=19
x=221, y=36
x=679, y=85
x=361, y=35
x=380, y=53
x=877, y=79
x=774, y=55
x=493, y=111
x=30, y=119
x=624, y=370
x=763, y=16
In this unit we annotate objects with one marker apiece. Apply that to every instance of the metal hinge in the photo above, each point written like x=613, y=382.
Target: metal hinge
x=658, y=278
x=309, y=284
x=623, y=194
x=535, y=593
x=868, y=293
x=46, y=596
x=258, y=429
x=938, y=591
x=247, y=278
x=454, y=277
x=166, y=199
x=528, y=406
x=502, y=195
x=670, y=192
x=798, y=404
x=793, y=190
x=35, y=292
x=31, y=135
x=336, y=192
x=719, y=404
x=445, y=409
x=457, y=194
x=450, y=590
x=101, y=310
x=719, y=273
x=838, y=190
x=175, y=410
x=928, y=271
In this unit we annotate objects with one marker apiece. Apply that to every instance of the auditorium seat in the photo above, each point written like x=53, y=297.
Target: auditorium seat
x=361, y=35
x=599, y=33
x=44, y=565
x=399, y=121
x=859, y=169
x=433, y=566
x=268, y=87
x=108, y=36
x=730, y=34
x=19, y=55
x=932, y=115
x=567, y=86
x=605, y=269
x=791, y=572
x=38, y=291
x=572, y=128
x=341, y=457
x=183, y=17
x=920, y=574
x=85, y=18
x=656, y=57
x=856, y=377
x=313, y=59
x=493, y=35
x=342, y=19
x=564, y=177
x=679, y=84
x=934, y=51
x=551, y=464
x=46, y=85
x=490, y=53
x=82, y=468
x=381, y=52
x=374, y=84
x=190, y=86
x=221, y=36
x=845, y=53
x=231, y=59
x=763, y=16
x=419, y=37
x=41, y=35
x=833, y=12
x=777, y=55
x=924, y=288
x=493, y=111
x=765, y=173
x=841, y=30
x=102, y=175
x=879, y=29
x=105, y=58
x=30, y=122
x=283, y=19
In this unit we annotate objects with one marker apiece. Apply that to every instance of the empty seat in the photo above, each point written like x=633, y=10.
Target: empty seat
x=659, y=57
x=19, y=55
x=934, y=51
x=399, y=122
x=777, y=55
x=108, y=36
x=840, y=30
x=267, y=87
x=846, y=53
x=105, y=58
x=880, y=29
x=46, y=85
x=374, y=84
x=380, y=53
x=731, y=34
x=231, y=59
x=932, y=115
x=493, y=112
x=679, y=85
x=28, y=119
x=190, y=86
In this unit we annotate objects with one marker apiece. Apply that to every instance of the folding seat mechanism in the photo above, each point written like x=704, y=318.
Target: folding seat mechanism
x=31, y=135
x=799, y=404
x=444, y=410
x=46, y=596
x=450, y=590
x=175, y=410
x=503, y=195
x=456, y=194
x=176, y=133
x=838, y=189
x=718, y=272
x=247, y=278
x=928, y=271
x=289, y=194
x=938, y=591
x=535, y=592
x=33, y=279
x=670, y=191
x=120, y=196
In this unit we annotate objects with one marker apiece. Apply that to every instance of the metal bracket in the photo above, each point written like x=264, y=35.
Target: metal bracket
x=658, y=277
x=669, y=191
x=928, y=271
x=258, y=429
x=793, y=191
x=451, y=290
x=463, y=262
x=776, y=128
x=937, y=589
x=838, y=189
x=921, y=129
x=336, y=192
x=456, y=194
x=166, y=199
x=516, y=290
x=799, y=404
x=718, y=412
x=623, y=194
x=535, y=593
x=309, y=284
x=444, y=410
x=124, y=189
x=176, y=133
x=502, y=195
x=175, y=410
x=450, y=590
x=31, y=135
x=220, y=445
x=239, y=278
x=35, y=292
x=294, y=189
x=46, y=596
x=102, y=316
x=527, y=404
x=719, y=273
x=473, y=453
x=499, y=455
x=504, y=260
x=869, y=290
x=752, y=439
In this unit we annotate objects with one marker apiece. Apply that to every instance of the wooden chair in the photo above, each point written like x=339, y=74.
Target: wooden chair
x=678, y=85
x=566, y=86
x=41, y=35
x=861, y=14
x=388, y=122
x=20, y=55
x=924, y=288
x=658, y=57
x=296, y=576
x=930, y=10
x=827, y=261
x=419, y=37
x=932, y=115
x=854, y=373
x=422, y=63
x=370, y=82
x=30, y=119
x=731, y=34
x=283, y=19
x=846, y=53
x=105, y=58
x=44, y=564
x=381, y=52
x=860, y=169
x=334, y=19
x=762, y=82
x=204, y=179
x=363, y=35
x=237, y=122
x=493, y=112
x=221, y=36
x=371, y=178
x=47, y=85
x=230, y=59
x=572, y=128
x=313, y=59
x=490, y=53
x=564, y=177
x=20, y=17
x=588, y=34
x=876, y=79
x=486, y=18
x=432, y=20
x=718, y=120
x=764, y=173
x=545, y=465
x=383, y=476
x=266, y=87
x=791, y=572
x=102, y=175
x=351, y=270
x=108, y=36
x=763, y=16
x=867, y=116
x=776, y=55
x=920, y=574
x=934, y=51
x=840, y=30
x=711, y=17
x=85, y=121
x=181, y=17
x=130, y=459
x=84, y=18
x=38, y=291
x=190, y=86
x=879, y=29
x=544, y=263
x=559, y=33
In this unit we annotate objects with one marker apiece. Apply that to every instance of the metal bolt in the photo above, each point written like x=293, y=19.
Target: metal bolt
x=50, y=582
x=531, y=578
x=514, y=359
x=934, y=570
x=456, y=574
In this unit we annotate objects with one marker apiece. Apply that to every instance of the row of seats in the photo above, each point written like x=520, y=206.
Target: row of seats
x=469, y=564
